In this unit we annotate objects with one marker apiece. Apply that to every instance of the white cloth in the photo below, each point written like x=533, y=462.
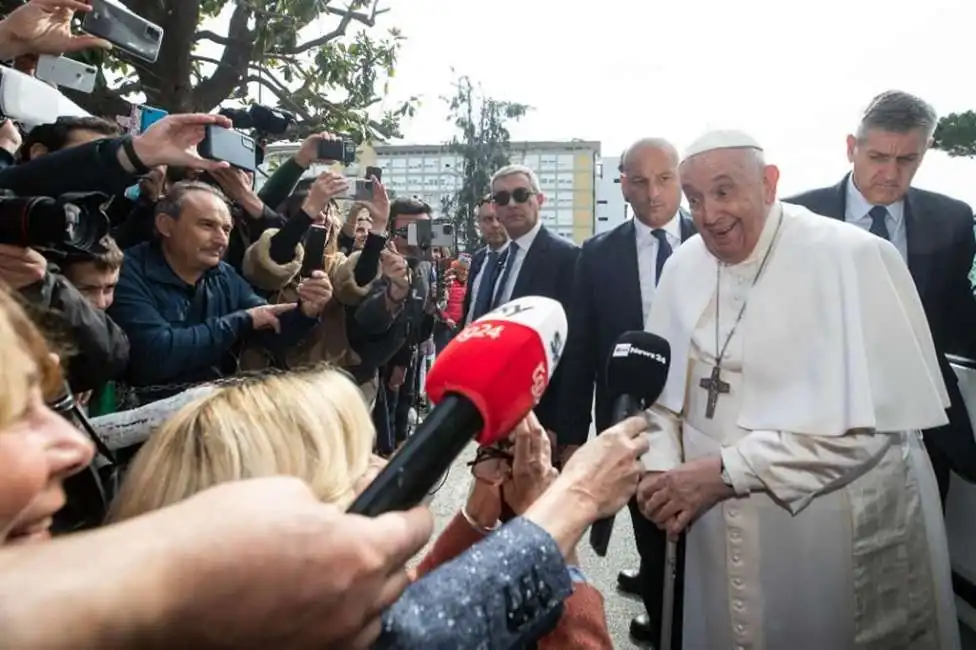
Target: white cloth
x=843, y=339
x=647, y=245
x=835, y=539
x=516, y=257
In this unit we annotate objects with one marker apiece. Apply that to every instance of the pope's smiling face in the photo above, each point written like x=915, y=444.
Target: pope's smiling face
x=729, y=192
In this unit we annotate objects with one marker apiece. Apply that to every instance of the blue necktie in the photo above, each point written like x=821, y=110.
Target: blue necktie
x=879, y=227
x=489, y=274
x=503, y=281
x=663, y=253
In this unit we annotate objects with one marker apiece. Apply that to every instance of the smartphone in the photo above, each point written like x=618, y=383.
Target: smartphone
x=315, y=242
x=375, y=172
x=343, y=151
x=360, y=189
x=229, y=146
x=62, y=71
x=427, y=234
x=27, y=100
x=149, y=115
x=123, y=28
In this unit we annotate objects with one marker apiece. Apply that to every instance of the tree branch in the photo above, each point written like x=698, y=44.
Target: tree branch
x=347, y=16
x=232, y=66
x=283, y=96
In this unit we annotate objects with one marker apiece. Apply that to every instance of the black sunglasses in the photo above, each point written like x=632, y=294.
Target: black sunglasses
x=519, y=194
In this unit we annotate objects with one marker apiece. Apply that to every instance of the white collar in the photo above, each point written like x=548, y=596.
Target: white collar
x=859, y=206
x=645, y=234
x=525, y=241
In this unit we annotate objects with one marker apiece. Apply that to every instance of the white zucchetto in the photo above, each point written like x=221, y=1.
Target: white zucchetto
x=721, y=139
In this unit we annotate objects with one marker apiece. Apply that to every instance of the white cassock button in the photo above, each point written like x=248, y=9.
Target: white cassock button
x=740, y=628
x=735, y=558
x=739, y=606
x=737, y=582
x=733, y=512
x=735, y=536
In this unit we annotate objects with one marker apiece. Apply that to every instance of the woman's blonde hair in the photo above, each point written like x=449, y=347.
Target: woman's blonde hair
x=25, y=361
x=312, y=424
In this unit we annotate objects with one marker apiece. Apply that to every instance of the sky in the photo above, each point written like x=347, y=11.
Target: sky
x=796, y=76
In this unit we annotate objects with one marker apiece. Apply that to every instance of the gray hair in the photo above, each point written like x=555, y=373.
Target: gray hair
x=173, y=202
x=896, y=111
x=512, y=170
x=648, y=143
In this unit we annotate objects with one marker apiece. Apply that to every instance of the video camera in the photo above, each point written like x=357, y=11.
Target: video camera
x=69, y=224
x=265, y=120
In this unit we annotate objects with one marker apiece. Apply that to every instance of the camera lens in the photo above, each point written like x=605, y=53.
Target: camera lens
x=153, y=33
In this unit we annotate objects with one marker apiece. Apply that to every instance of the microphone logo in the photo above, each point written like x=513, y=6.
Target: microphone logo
x=628, y=349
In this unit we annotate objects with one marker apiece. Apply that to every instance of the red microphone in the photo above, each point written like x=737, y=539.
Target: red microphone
x=483, y=383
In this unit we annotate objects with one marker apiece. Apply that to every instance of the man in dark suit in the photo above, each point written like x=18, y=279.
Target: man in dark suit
x=933, y=232
x=537, y=262
x=616, y=275
x=483, y=277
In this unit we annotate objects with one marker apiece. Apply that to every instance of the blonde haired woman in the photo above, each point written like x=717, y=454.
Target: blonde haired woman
x=313, y=424
x=38, y=448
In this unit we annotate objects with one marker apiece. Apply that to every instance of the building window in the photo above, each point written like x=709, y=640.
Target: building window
x=566, y=161
x=415, y=163
x=564, y=200
x=531, y=161
x=565, y=181
x=398, y=163
x=548, y=161
x=432, y=164
x=564, y=217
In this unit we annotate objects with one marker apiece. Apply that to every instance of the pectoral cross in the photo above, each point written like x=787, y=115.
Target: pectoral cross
x=715, y=387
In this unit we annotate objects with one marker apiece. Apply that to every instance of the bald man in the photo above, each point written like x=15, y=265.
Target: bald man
x=801, y=371
x=616, y=278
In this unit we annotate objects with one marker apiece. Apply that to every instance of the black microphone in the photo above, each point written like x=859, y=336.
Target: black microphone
x=636, y=373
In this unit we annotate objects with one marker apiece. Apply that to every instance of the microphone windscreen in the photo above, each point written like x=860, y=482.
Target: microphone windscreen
x=126, y=428
x=638, y=366
x=502, y=362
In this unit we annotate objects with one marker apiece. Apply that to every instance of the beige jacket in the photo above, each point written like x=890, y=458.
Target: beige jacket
x=328, y=342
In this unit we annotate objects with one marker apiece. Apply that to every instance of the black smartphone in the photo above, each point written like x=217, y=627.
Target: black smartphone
x=375, y=172
x=343, y=151
x=315, y=242
x=229, y=146
x=124, y=29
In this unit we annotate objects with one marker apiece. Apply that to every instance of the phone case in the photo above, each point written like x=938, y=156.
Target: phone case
x=315, y=242
x=124, y=29
x=230, y=146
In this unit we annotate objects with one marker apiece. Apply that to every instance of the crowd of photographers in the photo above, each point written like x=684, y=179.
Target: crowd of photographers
x=246, y=336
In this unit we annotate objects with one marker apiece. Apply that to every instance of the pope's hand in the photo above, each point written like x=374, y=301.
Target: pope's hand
x=674, y=499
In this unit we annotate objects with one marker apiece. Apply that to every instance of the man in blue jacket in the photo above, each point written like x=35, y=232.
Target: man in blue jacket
x=184, y=310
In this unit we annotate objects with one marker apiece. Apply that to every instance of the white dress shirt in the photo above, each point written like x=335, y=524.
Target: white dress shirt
x=515, y=260
x=857, y=211
x=476, y=281
x=647, y=245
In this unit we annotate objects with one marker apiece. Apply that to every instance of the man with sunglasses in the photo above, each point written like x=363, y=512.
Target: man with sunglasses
x=537, y=263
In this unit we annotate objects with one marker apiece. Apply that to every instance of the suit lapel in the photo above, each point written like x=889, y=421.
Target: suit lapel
x=837, y=204
x=688, y=229
x=919, y=260
x=476, y=263
x=533, y=257
x=624, y=276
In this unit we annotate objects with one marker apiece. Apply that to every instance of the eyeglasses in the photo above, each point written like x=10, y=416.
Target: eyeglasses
x=493, y=464
x=519, y=194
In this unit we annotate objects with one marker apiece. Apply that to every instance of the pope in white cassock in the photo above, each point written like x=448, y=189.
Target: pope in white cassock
x=802, y=369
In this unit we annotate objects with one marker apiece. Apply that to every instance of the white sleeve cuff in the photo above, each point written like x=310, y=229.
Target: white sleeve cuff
x=744, y=480
x=665, y=439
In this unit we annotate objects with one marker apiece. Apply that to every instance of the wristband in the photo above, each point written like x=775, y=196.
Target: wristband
x=484, y=530
x=134, y=159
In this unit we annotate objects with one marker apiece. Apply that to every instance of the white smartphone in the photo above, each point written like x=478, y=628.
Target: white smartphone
x=62, y=71
x=28, y=100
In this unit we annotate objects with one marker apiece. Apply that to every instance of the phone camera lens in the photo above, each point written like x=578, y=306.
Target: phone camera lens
x=152, y=33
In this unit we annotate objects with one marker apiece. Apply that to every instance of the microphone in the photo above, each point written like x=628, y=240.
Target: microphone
x=483, y=383
x=636, y=373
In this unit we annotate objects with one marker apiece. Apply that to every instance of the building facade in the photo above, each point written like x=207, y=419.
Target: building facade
x=567, y=175
x=611, y=209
